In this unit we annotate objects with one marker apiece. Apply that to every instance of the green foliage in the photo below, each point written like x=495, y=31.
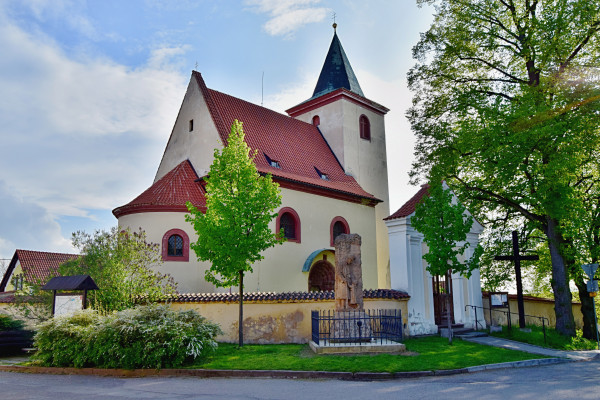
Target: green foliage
x=152, y=336
x=122, y=263
x=240, y=204
x=8, y=323
x=444, y=226
x=505, y=108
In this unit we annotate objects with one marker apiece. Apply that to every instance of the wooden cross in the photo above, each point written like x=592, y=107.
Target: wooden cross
x=516, y=258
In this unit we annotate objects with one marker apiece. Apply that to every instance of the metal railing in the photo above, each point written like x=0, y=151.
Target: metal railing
x=508, y=314
x=333, y=328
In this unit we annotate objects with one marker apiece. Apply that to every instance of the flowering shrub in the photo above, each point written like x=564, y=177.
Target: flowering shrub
x=153, y=336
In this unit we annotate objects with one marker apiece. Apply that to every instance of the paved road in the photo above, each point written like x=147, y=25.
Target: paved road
x=578, y=380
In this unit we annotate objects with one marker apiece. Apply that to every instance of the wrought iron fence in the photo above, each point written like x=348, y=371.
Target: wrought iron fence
x=356, y=327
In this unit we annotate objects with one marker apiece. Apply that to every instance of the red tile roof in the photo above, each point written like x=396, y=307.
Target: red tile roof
x=409, y=207
x=286, y=296
x=297, y=146
x=36, y=265
x=170, y=193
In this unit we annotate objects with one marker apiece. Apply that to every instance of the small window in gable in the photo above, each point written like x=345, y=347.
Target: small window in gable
x=365, y=127
x=322, y=175
x=271, y=162
x=338, y=226
x=289, y=221
x=175, y=246
x=316, y=121
x=191, y=126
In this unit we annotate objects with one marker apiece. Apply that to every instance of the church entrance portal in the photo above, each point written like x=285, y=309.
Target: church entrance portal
x=442, y=289
x=321, y=277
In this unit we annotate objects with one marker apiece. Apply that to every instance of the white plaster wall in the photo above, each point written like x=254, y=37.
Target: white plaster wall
x=198, y=145
x=281, y=269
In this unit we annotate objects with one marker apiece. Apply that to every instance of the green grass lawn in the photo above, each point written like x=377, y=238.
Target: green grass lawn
x=423, y=354
x=554, y=339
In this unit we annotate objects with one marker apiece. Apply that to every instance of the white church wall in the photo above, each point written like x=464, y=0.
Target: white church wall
x=281, y=270
x=197, y=145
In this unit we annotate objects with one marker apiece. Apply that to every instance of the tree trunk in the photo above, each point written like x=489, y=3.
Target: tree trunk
x=448, y=316
x=587, y=309
x=565, y=323
x=241, y=314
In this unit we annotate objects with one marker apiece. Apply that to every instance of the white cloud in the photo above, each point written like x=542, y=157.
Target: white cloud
x=287, y=16
x=25, y=225
x=76, y=135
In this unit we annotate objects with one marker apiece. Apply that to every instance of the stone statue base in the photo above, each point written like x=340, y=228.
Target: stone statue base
x=351, y=326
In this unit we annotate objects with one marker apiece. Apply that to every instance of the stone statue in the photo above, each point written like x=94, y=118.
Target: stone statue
x=348, y=273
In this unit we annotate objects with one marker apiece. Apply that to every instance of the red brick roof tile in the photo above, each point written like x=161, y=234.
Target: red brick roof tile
x=170, y=193
x=38, y=265
x=297, y=146
x=409, y=207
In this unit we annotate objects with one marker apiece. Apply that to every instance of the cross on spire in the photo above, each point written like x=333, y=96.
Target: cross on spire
x=516, y=258
x=334, y=24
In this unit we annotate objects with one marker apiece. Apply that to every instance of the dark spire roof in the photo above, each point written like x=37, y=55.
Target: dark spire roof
x=337, y=72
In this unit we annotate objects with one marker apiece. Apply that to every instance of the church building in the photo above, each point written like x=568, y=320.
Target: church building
x=328, y=156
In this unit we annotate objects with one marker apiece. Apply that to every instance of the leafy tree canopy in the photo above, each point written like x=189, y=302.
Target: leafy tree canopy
x=122, y=263
x=505, y=108
x=444, y=226
x=240, y=204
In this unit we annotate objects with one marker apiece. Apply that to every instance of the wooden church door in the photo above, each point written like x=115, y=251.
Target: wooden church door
x=442, y=290
x=321, y=277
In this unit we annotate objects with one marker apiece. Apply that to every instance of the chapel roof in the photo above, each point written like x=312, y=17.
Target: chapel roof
x=409, y=207
x=336, y=72
x=36, y=265
x=169, y=193
x=298, y=148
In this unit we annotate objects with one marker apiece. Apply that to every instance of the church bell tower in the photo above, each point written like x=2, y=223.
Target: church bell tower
x=354, y=128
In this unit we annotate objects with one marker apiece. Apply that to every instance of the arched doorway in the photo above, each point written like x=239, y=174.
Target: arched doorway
x=442, y=292
x=321, y=277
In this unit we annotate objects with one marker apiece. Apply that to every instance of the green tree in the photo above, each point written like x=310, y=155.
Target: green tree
x=444, y=226
x=122, y=263
x=240, y=204
x=505, y=108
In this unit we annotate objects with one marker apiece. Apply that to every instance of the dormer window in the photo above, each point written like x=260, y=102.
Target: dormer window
x=271, y=162
x=322, y=175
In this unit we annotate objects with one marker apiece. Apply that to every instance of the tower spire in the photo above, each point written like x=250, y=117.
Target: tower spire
x=336, y=72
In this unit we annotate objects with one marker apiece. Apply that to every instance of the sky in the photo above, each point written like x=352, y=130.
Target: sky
x=90, y=90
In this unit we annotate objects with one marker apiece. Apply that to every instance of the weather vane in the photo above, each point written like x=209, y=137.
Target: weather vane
x=196, y=67
x=334, y=24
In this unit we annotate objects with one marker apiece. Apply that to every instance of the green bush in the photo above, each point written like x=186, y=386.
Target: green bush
x=152, y=336
x=8, y=323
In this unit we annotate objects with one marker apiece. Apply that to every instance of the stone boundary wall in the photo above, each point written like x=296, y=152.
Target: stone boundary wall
x=537, y=306
x=277, y=321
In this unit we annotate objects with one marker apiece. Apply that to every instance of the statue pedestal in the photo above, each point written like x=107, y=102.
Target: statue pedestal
x=351, y=326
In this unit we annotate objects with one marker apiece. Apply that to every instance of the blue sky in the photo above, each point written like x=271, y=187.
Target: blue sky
x=90, y=91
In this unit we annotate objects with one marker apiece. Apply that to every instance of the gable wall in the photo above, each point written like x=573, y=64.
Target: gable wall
x=197, y=146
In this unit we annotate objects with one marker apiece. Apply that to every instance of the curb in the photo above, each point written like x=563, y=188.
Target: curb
x=275, y=374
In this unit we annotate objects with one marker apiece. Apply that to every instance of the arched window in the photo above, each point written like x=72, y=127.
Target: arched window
x=175, y=246
x=289, y=221
x=316, y=120
x=365, y=127
x=338, y=226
